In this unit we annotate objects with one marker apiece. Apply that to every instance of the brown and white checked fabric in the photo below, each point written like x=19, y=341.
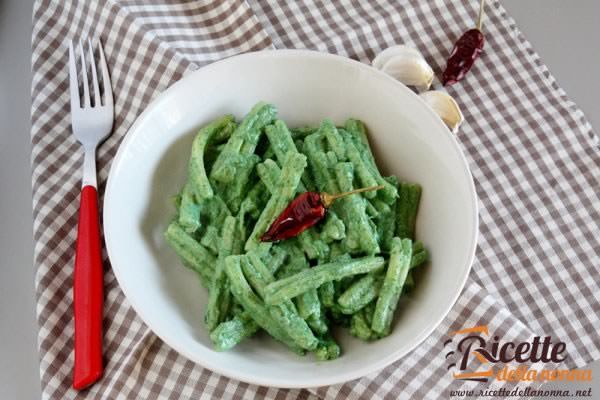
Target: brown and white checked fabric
x=533, y=156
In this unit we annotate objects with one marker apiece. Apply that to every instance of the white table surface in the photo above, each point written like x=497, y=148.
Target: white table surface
x=565, y=34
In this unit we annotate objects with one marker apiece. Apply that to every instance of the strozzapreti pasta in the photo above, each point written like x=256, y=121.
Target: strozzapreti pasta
x=349, y=270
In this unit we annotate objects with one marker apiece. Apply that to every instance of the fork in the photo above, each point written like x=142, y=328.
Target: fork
x=91, y=123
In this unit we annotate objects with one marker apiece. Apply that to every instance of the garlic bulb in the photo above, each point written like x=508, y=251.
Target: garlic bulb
x=445, y=107
x=405, y=64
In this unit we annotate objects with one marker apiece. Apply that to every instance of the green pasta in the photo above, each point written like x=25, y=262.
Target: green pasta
x=211, y=238
x=276, y=259
x=213, y=211
x=334, y=139
x=256, y=308
x=358, y=135
x=281, y=140
x=408, y=205
x=318, y=323
x=398, y=267
x=350, y=270
x=285, y=313
x=327, y=294
x=242, y=142
x=189, y=211
x=353, y=208
x=269, y=173
x=319, y=164
x=308, y=303
x=192, y=253
x=363, y=172
x=364, y=290
x=299, y=283
x=360, y=328
x=233, y=192
x=290, y=177
x=368, y=312
x=220, y=297
x=198, y=180
x=230, y=333
x=334, y=228
x=360, y=293
x=327, y=349
x=302, y=132
x=419, y=258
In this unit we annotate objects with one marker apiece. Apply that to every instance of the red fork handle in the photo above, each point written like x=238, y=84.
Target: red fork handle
x=87, y=293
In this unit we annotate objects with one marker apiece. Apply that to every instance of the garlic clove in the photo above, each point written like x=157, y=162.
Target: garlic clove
x=407, y=65
x=445, y=107
x=402, y=50
x=412, y=71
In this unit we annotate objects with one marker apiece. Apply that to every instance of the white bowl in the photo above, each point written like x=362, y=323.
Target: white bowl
x=409, y=140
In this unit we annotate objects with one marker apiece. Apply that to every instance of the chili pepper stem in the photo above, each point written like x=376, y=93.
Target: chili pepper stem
x=480, y=16
x=327, y=198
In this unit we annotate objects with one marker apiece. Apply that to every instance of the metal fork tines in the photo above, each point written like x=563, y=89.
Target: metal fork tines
x=91, y=120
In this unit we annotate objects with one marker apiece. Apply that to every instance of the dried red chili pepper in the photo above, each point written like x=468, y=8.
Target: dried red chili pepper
x=303, y=212
x=466, y=50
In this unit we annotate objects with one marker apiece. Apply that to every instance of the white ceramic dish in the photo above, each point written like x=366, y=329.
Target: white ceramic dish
x=409, y=140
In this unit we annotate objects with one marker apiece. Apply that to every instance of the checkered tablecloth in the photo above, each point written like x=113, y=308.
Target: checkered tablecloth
x=534, y=158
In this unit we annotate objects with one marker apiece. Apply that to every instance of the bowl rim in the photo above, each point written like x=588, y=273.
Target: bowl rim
x=254, y=378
